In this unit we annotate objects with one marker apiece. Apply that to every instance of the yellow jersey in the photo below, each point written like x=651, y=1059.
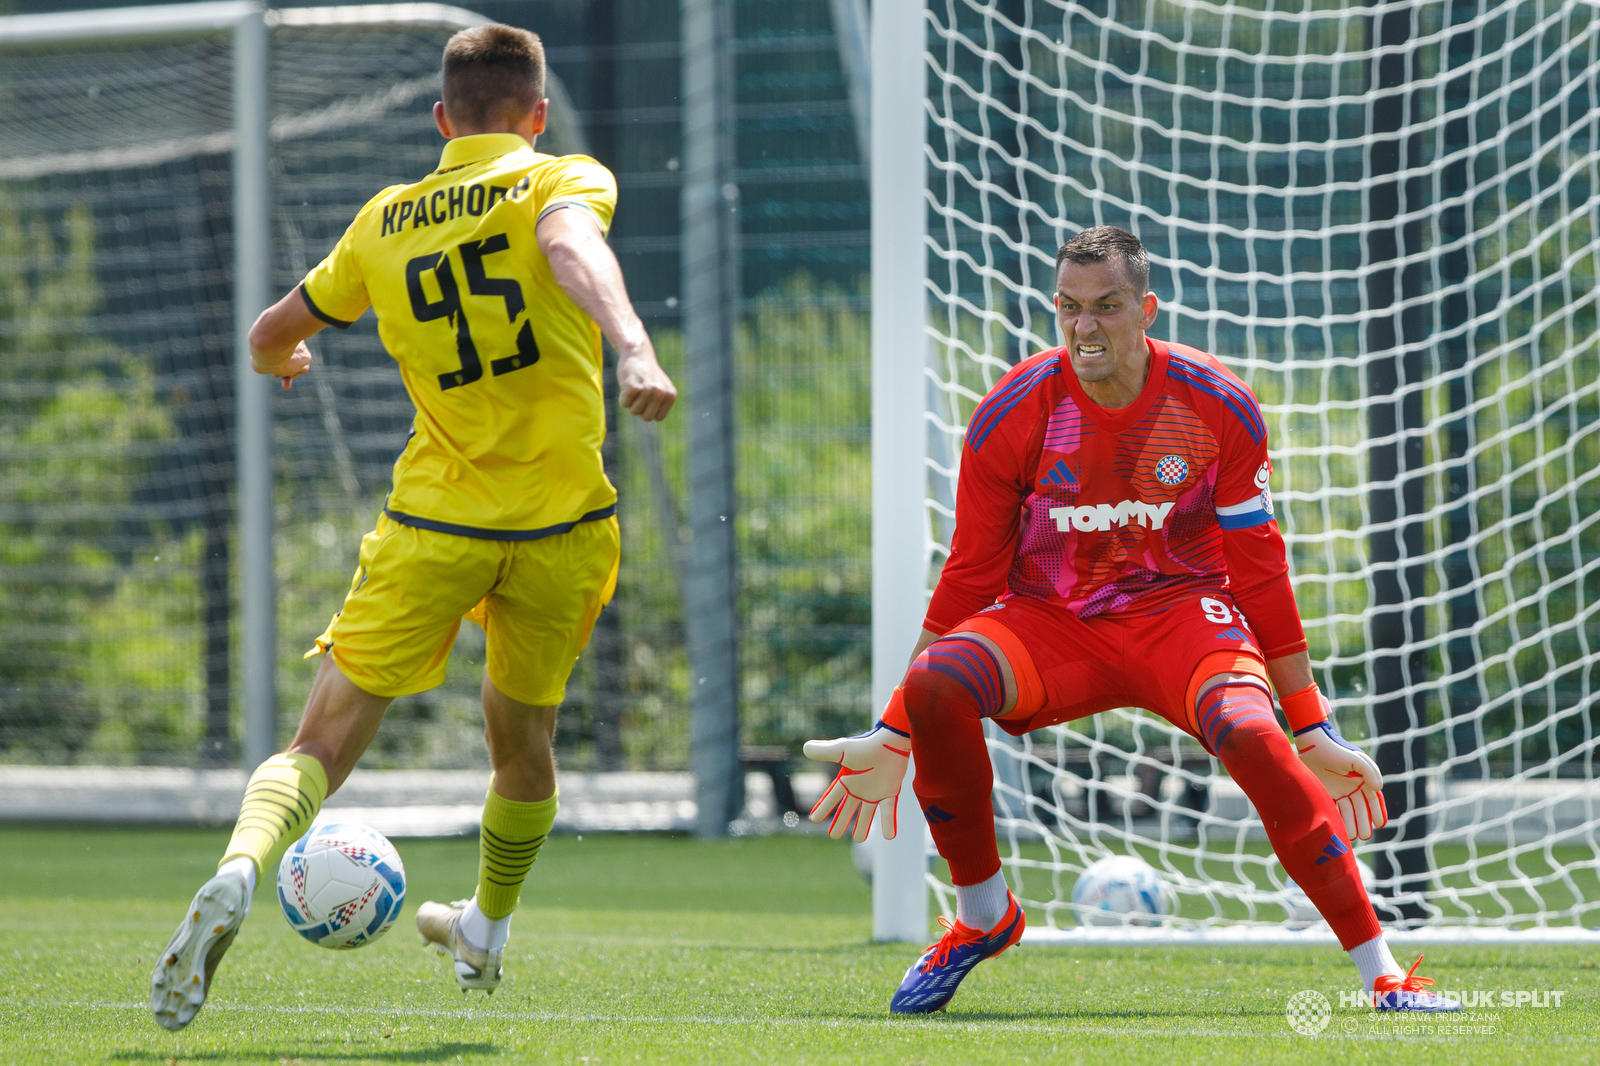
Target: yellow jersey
x=503, y=368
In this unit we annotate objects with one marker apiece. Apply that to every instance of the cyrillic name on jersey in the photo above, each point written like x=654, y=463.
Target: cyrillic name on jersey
x=448, y=203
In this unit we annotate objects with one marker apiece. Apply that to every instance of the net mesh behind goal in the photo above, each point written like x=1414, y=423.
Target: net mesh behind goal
x=1383, y=218
x=118, y=568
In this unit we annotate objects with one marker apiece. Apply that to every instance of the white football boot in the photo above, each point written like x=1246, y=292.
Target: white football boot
x=182, y=977
x=440, y=925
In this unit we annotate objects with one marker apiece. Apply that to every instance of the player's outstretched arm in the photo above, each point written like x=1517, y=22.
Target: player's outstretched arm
x=1347, y=772
x=278, y=339
x=872, y=767
x=588, y=273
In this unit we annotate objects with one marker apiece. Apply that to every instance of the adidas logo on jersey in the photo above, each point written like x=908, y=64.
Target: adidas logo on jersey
x=1335, y=848
x=1097, y=518
x=1059, y=474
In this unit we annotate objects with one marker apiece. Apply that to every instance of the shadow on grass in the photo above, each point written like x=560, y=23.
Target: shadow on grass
x=437, y=1053
x=847, y=948
x=1077, y=1015
x=944, y=1018
x=1062, y=1016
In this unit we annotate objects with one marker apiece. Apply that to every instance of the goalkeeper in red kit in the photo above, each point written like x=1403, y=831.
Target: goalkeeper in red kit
x=1115, y=546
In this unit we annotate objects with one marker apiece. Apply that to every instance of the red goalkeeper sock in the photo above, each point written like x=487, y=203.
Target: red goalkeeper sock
x=948, y=691
x=1306, y=831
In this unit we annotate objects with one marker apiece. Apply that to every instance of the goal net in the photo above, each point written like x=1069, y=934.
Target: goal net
x=1383, y=217
x=120, y=558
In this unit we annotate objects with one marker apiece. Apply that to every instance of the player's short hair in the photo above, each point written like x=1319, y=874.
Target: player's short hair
x=1099, y=243
x=493, y=75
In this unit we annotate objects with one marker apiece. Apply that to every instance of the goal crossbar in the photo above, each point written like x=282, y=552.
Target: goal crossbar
x=212, y=16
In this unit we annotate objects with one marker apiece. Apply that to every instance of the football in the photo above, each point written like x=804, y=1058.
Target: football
x=1121, y=890
x=341, y=885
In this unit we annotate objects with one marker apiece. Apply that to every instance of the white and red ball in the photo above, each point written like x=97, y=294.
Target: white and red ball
x=341, y=885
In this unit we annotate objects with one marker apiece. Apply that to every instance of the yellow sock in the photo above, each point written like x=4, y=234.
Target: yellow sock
x=283, y=796
x=509, y=840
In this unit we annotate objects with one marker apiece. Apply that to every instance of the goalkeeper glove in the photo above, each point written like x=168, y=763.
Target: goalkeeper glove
x=871, y=769
x=1347, y=772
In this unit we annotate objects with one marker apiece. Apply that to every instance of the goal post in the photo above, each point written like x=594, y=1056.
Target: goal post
x=900, y=536
x=252, y=293
x=1385, y=217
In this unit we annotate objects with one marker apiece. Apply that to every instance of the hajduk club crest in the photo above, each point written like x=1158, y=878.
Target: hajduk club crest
x=1172, y=469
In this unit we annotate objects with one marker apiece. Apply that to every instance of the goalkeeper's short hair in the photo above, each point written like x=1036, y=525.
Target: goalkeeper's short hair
x=493, y=75
x=1099, y=243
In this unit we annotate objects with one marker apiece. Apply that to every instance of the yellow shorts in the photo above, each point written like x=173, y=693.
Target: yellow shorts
x=537, y=601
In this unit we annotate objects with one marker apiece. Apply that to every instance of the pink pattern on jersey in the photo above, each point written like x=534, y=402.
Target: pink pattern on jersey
x=1052, y=571
x=1134, y=491
x=1107, y=571
x=1191, y=523
x=1064, y=431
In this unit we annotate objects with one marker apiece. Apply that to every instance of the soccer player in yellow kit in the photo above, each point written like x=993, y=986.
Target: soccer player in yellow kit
x=492, y=285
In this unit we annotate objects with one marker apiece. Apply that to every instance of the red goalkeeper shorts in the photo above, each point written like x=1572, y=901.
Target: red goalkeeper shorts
x=1068, y=668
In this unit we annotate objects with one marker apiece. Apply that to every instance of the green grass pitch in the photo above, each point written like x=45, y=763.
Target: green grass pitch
x=666, y=950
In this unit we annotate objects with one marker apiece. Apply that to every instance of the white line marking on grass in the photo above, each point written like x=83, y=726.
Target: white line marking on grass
x=469, y=1014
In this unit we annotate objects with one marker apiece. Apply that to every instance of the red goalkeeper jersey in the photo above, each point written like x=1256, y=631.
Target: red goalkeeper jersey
x=1119, y=511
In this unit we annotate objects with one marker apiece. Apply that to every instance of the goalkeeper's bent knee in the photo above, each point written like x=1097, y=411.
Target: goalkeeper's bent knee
x=509, y=839
x=949, y=690
x=1230, y=713
x=280, y=802
x=956, y=675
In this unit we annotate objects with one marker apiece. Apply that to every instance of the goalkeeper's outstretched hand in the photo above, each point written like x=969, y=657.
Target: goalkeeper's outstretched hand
x=1349, y=775
x=871, y=769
